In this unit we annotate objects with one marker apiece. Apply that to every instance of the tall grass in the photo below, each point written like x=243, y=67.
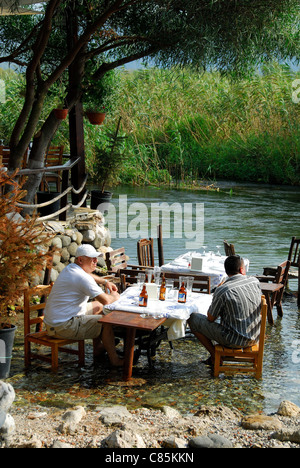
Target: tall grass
x=183, y=126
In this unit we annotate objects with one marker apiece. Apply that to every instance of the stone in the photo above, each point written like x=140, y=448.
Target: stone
x=73, y=249
x=71, y=419
x=289, y=409
x=89, y=235
x=7, y=396
x=287, y=435
x=124, y=439
x=65, y=255
x=114, y=415
x=261, y=421
x=210, y=441
x=8, y=428
x=218, y=411
x=174, y=442
x=57, y=444
x=65, y=240
x=56, y=242
x=171, y=413
x=2, y=418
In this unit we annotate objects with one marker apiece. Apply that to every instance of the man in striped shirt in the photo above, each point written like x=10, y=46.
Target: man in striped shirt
x=237, y=303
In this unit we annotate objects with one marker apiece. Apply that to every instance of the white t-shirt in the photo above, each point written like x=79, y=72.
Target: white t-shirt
x=70, y=294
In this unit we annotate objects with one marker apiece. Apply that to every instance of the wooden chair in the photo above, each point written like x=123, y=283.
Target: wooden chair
x=201, y=283
x=53, y=157
x=5, y=155
x=275, y=297
x=229, y=249
x=294, y=258
x=145, y=252
x=245, y=360
x=33, y=317
x=116, y=260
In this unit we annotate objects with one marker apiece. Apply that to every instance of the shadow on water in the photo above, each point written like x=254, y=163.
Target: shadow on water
x=260, y=221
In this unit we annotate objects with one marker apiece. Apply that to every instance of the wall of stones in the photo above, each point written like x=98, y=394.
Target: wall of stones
x=86, y=226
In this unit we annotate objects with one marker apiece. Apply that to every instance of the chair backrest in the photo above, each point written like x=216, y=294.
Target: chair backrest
x=34, y=312
x=54, y=156
x=128, y=277
x=116, y=260
x=201, y=282
x=145, y=252
x=229, y=248
x=294, y=253
x=282, y=273
x=5, y=155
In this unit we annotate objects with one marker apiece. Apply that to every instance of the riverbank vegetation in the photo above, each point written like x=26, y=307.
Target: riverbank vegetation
x=182, y=127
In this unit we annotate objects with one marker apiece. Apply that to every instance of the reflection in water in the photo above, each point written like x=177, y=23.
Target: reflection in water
x=260, y=222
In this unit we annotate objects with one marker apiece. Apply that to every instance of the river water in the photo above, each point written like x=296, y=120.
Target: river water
x=260, y=221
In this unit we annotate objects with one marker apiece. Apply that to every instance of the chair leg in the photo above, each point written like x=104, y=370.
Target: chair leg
x=217, y=364
x=27, y=352
x=81, y=353
x=54, y=358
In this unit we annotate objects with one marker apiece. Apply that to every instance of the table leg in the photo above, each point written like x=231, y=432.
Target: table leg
x=270, y=307
x=129, y=353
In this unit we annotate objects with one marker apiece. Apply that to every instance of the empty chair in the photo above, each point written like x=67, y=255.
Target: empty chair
x=245, y=360
x=294, y=258
x=116, y=260
x=34, y=333
x=274, y=294
x=53, y=157
x=145, y=252
x=5, y=155
x=229, y=249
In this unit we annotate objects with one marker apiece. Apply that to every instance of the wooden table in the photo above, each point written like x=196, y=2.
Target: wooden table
x=270, y=291
x=131, y=322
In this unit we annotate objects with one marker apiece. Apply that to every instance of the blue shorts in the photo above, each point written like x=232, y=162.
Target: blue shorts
x=211, y=330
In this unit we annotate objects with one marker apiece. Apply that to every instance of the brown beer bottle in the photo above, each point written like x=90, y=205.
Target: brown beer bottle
x=162, y=293
x=182, y=294
x=143, y=300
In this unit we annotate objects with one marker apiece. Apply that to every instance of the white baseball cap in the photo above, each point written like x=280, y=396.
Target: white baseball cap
x=87, y=250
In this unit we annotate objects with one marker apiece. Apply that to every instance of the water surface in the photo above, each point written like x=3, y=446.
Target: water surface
x=260, y=221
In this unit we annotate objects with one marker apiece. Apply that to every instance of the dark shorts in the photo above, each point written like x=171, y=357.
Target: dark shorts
x=211, y=330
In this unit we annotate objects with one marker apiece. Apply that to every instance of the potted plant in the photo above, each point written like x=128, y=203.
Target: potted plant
x=23, y=253
x=96, y=117
x=98, y=94
x=106, y=165
x=61, y=113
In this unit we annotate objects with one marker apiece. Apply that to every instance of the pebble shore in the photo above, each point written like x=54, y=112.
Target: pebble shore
x=117, y=427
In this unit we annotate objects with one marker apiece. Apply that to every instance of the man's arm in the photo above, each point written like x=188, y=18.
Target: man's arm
x=104, y=282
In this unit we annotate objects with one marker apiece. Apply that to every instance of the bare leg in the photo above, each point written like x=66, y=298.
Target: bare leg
x=206, y=343
x=108, y=340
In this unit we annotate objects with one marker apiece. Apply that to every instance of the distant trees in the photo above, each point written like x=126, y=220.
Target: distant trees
x=75, y=43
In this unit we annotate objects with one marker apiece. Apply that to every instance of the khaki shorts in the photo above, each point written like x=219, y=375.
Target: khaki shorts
x=82, y=327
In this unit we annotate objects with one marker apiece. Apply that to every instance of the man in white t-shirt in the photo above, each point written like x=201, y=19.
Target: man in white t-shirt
x=68, y=314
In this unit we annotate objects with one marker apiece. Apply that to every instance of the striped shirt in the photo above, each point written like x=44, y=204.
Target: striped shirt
x=238, y=304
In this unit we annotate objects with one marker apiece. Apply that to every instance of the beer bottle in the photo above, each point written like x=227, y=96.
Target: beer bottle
x=182, y=294
x=143, y=300
x=162, y=293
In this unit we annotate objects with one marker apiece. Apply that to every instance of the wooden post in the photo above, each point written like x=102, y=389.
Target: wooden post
x=161, y=259
x=76, y=131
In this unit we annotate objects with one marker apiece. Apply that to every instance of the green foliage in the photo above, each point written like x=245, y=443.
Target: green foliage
x=207, y=126
x=108, y=158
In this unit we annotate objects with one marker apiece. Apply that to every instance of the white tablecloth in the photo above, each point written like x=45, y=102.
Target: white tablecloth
x=177, y=314
x=213, y=266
